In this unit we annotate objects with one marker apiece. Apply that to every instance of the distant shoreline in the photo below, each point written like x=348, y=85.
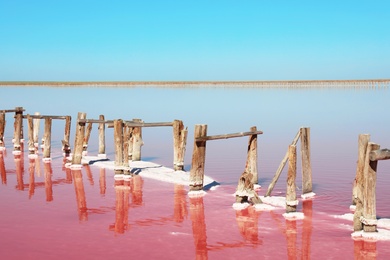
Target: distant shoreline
x=260, y=83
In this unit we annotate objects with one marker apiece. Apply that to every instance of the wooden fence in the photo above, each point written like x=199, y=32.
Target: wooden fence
x=364, y=188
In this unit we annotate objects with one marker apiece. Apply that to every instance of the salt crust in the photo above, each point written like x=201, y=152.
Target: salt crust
x=308, y=195
x=240, y=206
x=196, y=194
x=293, y=215
x=46, y=160
x=33, y=156
x=16, y=152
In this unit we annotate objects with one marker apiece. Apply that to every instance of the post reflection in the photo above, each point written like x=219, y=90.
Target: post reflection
x=180, y=203
x=122, y=194
x=80, y=194
x=136, y=190
x=2, y=168
x=364, y=250
x=102, y=181
x=199, y=227
x=19, y=172
x=89, y=174
x=31, y=170
x=48, y=181
x=307, y=209
x=291, y=237
x=247, y=221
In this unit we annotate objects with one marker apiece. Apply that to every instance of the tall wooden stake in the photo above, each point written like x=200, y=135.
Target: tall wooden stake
x=36, y=123
x=118, y=139
x=79, y=139
x=65, y=143
x=102, y=138
x=307, y=185
x=198, y=159
x=137, y=141
x=251, y=161
x=291, y=195
x=30, y=124
x=2, y=128
x=47, y=137
x=18, y=128
x=179, y=144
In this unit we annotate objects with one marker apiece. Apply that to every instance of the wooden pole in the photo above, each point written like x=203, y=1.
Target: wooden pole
x=118, y=140
x=377, y=155
x=2, y=128
x=137, y=141
x=369, y=203
x=86, y=138
x=30, y=124
x=79, y=139
x=281, y=166
x=307, y=185
x=179, y=143
x=102, y=138
x=66, y=141
x=198, y=159
x=18, y=127
x=125, y=154
x=47, y=138
x=251, y=161
x=291, y=195
x=36, y=130
x=357, y=192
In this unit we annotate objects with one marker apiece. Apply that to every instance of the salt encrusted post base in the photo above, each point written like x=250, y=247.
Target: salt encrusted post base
x=308, y=195
x=196, y=194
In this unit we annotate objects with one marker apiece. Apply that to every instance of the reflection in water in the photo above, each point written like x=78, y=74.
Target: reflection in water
x=122, y=192
x=102, y=181
x=180, y=203
x=307, y=208
x=364, y=250
x=2, y=168
x=89, y=174
x=48, y=181
x=31, y=169
x=199, y=227
x=80, y=195
x=291, y=236
x=19, y=172
x=136, y=191
x=247, y=220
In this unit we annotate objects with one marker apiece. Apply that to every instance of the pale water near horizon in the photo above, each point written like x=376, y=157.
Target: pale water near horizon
x=49, y=211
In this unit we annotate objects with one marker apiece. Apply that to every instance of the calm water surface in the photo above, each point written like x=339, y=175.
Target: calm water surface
x=51, y=212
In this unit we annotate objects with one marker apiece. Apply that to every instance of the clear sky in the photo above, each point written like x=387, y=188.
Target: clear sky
x=143, y=40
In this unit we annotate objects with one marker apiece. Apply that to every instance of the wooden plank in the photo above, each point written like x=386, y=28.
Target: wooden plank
x=383, y=154
x=143, y=124
x=281, y=166
x=226, y=136
x=47, y=116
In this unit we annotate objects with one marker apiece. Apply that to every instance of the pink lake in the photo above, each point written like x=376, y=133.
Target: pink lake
x=51, y=212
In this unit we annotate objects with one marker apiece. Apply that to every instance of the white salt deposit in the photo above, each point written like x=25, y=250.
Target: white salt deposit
x=308, y=195
x=274, y=201
x=293, y=215
x=196, y=194
x=264, y=207
x=240, y=206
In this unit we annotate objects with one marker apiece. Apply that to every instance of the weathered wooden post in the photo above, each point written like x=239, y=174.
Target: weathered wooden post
x=307, y=185
x=251, y=161
x=357, y=193
x=65, y=142
x=86, y=138
x=137, y=141
x=79, y=139
x=2, y=128
x=47, y=138
x=31, y=146
x=118, y=140
x=102, y=138
x=36, y=122
x=291, y=195
x=245, y=192
x=369, y=204
x=281, y=166
x=179, y=144
x=126, y=143
x=198, y=159
x=18, y=128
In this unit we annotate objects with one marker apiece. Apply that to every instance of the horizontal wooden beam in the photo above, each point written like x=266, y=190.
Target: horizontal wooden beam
x=226, y=136
x=44, y=116
x=142, y=124
x=11, y=110
x=383, y=154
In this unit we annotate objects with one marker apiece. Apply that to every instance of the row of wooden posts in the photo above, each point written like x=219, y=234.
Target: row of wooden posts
x=128, y=142
x=364, y=188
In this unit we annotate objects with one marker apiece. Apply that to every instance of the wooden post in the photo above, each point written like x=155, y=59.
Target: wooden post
x=102, y=137
x=245, y=192
x=198, y=159
x=118, y=140
x=281, y=166
x=125, y=154
x=79, y=139
x=86, y=137
x=307, y=185
x=47, y=138
x=369, y=203
x=251, y=161
x=291, y=195
x=18, y=128
x=2, y=128
x=137, y=141
x=30, y=124
x=357, y=193
x=36, y=129
x=179, y=144
x=65, y=142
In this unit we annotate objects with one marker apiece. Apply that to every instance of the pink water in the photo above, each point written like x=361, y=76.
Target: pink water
x=50, y=212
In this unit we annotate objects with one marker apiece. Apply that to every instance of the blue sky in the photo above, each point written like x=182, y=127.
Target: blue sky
x=193, y=40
